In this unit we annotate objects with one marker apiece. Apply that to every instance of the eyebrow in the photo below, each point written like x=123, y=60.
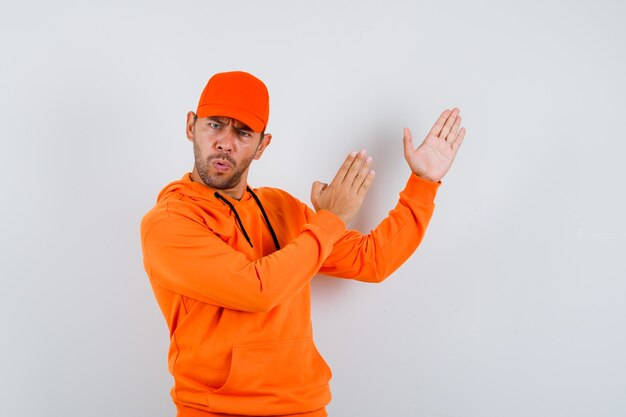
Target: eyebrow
x=244, y=126
x=218, y=119
x=236, y=123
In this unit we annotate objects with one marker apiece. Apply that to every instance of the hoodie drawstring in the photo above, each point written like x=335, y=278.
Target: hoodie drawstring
x=243, y=229
x=267, y=220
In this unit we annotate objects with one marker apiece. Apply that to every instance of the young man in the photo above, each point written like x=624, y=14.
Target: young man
x=231, y=266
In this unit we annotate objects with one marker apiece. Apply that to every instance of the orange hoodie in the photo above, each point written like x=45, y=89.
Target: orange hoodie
x=239, y=312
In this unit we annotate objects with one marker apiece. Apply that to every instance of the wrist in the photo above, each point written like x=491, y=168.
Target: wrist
x=427, y=177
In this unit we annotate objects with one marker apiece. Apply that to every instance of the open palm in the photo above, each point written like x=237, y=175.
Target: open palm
x=433, y=158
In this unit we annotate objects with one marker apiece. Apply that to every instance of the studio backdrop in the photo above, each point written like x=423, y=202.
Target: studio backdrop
x=513, y=305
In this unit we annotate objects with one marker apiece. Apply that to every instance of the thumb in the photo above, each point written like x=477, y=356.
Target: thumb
x=316, y=189
x=408, y=141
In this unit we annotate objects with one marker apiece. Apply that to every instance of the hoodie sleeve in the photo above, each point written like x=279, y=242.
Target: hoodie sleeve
x=180, y=255
x=373, y=257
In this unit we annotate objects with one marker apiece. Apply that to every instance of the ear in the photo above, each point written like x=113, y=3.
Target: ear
x=190, y=128
x=267, y=138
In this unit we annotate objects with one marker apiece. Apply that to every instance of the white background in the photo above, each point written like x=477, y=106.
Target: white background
x=514, y=304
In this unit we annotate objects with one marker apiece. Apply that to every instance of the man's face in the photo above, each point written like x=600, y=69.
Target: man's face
x=223, y=150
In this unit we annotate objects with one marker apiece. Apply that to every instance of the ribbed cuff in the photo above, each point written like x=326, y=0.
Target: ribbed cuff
x=418, y=188
x=328, y=224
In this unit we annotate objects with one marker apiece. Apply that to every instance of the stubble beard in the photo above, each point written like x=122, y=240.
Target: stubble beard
x=220, y=181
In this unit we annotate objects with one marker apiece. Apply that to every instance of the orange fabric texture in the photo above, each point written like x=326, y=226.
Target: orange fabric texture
x=239, y=315
x=236, y=94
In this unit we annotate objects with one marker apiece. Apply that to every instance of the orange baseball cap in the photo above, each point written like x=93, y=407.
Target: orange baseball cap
x=239, y=95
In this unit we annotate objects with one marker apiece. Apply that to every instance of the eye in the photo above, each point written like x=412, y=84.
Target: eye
x=214, y=125
x=245, y=134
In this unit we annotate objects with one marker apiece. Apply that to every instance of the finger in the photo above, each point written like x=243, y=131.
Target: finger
x=446, y=127
x=362, y=174
x=343, y=169
x=459, y=139
x=354, y=169
x=408, y=141
x=436, y=129
x=367, y=183
x=455, y=129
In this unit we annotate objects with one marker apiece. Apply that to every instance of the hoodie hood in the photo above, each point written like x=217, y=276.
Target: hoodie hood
x=211, y=200
x=187, y=188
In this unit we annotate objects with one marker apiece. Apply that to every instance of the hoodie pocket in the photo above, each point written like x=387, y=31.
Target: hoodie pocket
x=281, y=377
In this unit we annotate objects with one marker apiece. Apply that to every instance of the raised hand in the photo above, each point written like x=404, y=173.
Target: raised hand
x=433, y=158
x=345, y=193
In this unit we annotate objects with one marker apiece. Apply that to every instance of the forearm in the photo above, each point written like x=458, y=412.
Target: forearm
x=373, y=257
x=186, y=258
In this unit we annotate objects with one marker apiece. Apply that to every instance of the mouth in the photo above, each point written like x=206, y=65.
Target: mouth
x=221, y=164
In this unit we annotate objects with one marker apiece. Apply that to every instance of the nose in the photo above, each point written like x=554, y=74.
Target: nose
x=226, y=140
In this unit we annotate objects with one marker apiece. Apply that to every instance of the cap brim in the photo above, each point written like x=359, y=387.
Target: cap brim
x=244, y=116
